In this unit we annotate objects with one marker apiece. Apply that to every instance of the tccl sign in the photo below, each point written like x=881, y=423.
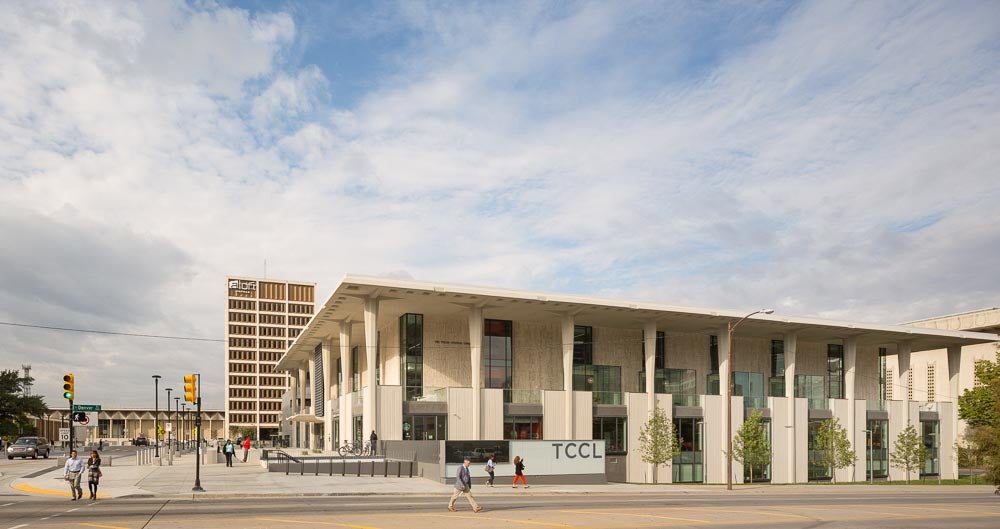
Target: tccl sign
x=560, y=457
x=246, y=286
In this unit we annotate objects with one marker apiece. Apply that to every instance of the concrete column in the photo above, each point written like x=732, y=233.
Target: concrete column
x=903, y=364
x=724, y=367
x=370, y=418
x=954, y=370
x=327, y=394
x=791, y=348
x=850, y=367
x=649, y=342
x=303, y=394
x=476, y=362
x=568, y=324
x=346, y=418
x=311, y=392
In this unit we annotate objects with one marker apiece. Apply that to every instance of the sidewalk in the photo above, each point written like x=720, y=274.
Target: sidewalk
x=126, y=480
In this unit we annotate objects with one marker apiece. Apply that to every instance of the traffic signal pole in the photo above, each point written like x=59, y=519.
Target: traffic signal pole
x=70, y=427
x=198, y=456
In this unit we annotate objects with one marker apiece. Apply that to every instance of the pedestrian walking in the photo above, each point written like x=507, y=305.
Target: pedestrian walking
x=94, y=473
x=229, y=450
x=246, y=448
x=491, y=467
x=463, y=485
x=373, y=442
x=71, y=472
x=519, y=471
x=100, y=444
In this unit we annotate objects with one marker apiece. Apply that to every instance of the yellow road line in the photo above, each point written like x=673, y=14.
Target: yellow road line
x=308, y=522
x=657, y=516
x=477, y=517
x=104, y=526
x=725, y=510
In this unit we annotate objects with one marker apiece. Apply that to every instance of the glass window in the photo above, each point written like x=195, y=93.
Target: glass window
x=355, y=370
x=750, y=386
x=340, y=378
x=878, y=448
x=777, y=358
x=411, y=343
x=817, y=470
x=605, y=382
x=522, y=427
x=931, y=437
x=378, y=357
x=835, y=370
x=681, y=383
x=881, y=372
x=762, y=473
x=425, y=427
x=811, y=387
x=583, y=345
x=498, y=354
x=477, y=451
x=688, y=466
x=661, y=348
x=613, y=431
x=713, y=356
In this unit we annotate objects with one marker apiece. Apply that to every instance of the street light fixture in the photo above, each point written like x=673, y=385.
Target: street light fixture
x=729, y=395
x=171, y=432
x=177, y=412
x=156, y=413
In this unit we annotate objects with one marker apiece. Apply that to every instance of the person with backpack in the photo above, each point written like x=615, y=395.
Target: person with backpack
x=491, y=467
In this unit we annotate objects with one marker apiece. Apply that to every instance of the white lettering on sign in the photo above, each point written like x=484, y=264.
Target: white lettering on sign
x=247, y=286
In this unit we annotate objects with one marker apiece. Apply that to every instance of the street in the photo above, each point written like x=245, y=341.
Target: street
x=966, y=508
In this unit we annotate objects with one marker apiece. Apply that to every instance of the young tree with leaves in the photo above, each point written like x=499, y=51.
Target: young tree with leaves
x=751, y=446
x=16, y=409
x=658, y=442
x=834, y=448
x=908, y=452
x=980, y=408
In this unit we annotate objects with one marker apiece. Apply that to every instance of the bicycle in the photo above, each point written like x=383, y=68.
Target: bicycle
x=350, y=449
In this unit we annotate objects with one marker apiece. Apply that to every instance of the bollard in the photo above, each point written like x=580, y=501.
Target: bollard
x=373, y=469
x=385, y=469
x=359, y=468
x=331, y=465
x=411, y=469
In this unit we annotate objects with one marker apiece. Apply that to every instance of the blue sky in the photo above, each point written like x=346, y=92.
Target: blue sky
x=833, y=159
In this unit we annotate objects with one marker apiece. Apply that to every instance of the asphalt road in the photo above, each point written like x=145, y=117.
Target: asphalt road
x=945, y=508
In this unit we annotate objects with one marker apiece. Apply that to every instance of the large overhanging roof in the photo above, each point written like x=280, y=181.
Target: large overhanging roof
x=398, y=296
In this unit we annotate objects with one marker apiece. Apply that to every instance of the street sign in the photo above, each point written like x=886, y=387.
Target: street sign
x=64, y=434
x=84, y=418
x=86, y=407
x=170, y=427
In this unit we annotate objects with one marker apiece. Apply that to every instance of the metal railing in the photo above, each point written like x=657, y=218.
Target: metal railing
x=358, y=467
x=818, y=404
x=755, y=402
x=685, y=400
x=433, y=395
x=876, y=405
x=522, y=396
x=607, y=398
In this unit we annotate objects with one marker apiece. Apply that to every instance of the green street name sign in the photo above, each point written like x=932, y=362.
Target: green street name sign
x=86, y=407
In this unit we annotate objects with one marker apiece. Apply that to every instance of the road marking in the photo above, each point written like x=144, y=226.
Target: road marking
x=17, y=526
x=282, y=520
x=726, y=510
x=6, y=505
x=74, y=509
x=526, y=522
x=657, y=516
x=103, y=526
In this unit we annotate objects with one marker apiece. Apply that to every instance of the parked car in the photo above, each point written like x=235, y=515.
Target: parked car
x=141, y=441
x=29, y=447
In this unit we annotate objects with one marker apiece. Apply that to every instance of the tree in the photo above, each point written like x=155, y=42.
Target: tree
x=751, y=446
x=833, y=448
x=658, y=442
x=908, y=452
x=978, y=406
x=16, y=409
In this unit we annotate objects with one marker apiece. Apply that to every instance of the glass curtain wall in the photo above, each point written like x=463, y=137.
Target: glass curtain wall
x=776, y=384
x=817, y=471
x=811, y=387
x=425, y=427
x=583, y=345
x=712, y=379
x=498, y=354
x=931, y=437
x=522, y=427
x=661, y=348
x=835, y=370
x=604, y=381
x=411, y=343
x=750, y=386
x=682, y=384
x=614, y=432
x=878, y=449
x=689, y=465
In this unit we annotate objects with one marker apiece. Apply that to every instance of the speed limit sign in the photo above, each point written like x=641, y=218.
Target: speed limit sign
x=64, y=434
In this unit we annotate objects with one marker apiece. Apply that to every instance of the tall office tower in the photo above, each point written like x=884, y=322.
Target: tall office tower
x=263, y=317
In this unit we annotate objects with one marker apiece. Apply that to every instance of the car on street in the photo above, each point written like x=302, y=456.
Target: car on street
x=29, y=447
x=141, y=441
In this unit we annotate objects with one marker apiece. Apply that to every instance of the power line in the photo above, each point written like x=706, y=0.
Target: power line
x=112, y=333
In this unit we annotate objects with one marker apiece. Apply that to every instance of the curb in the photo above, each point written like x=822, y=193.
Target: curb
x=30, y=489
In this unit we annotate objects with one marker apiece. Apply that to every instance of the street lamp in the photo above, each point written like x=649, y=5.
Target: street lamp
x=184, y=421
x=170, y=433
x=729, y=395
x=156, y=413
x=177, y=412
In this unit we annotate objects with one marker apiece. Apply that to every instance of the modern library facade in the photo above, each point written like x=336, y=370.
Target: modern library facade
x=429, y=361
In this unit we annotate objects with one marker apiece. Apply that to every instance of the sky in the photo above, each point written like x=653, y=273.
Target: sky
x=828, y=159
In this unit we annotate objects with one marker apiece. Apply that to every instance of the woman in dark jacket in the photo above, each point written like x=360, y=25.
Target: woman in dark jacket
x=519, y=471
x=93, y=473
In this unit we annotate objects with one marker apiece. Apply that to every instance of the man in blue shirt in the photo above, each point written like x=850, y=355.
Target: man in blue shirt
x=72, y=471
x=463, y=485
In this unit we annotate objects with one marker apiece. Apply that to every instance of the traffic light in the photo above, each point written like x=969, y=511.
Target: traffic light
x=191, y=388
x=68, y=383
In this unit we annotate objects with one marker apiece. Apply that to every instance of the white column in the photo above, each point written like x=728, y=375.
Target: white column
x=724, y=367
x=293, y=379
x=327, y=394
x=476, y=363
x=346, y=418
x=303, y=393
x=903, y=364
x=370, y=418
x=850, y=367
x=568, y=325
x=649, y=342
x=791, y=349
x=954, y=370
